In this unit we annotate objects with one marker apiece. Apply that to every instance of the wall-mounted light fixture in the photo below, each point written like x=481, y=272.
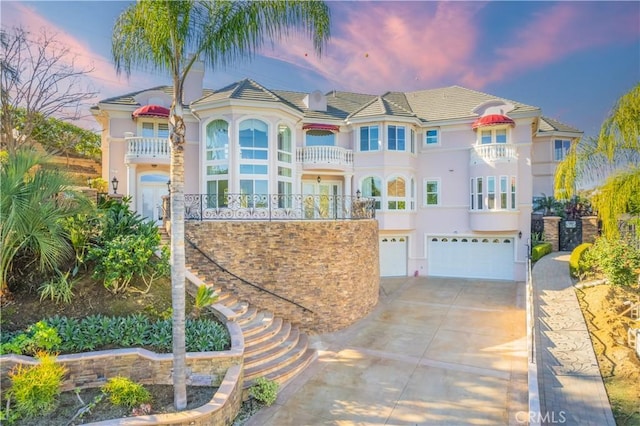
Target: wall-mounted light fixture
x=114, y=184
x=169, y=186
x=520, y=235
x=358, y=194
x=318, y=179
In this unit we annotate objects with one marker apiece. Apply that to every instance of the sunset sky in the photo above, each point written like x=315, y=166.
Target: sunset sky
x=572, y=59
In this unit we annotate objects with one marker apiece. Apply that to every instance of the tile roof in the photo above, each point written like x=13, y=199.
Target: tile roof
x=445, y=103
x=547, y=124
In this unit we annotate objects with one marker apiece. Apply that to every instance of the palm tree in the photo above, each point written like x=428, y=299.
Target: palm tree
x=33, y=202
x=171, y=36
x=610, y=163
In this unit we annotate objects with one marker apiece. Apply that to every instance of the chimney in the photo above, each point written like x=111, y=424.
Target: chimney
x=315, y=101
x=193, y=83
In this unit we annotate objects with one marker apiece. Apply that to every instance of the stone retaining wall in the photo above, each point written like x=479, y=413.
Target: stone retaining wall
x=329, y=267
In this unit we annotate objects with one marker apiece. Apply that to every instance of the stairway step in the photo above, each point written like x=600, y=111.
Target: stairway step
x=282, y=376
x=261, y=321
x=276, y=364
x=286, y=332
x=265, y=334
x=276, y=351
x=247, y=316
x=240, y=308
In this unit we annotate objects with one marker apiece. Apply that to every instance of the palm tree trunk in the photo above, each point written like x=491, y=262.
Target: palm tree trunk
x=178, y=255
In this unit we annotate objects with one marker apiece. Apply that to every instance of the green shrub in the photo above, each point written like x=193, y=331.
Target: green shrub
x=204, y=297
x=58, y=289
x=40, y=337
x=125, y=392
x=537, y=252
x=576, y=261
x=618, y=260
x=264, y=391
x=35, y=389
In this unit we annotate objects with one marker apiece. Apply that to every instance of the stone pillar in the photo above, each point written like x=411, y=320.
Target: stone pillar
x=552, y=231
x=589, y=229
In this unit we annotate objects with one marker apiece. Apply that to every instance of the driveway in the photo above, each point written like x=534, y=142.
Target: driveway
x=434, y=351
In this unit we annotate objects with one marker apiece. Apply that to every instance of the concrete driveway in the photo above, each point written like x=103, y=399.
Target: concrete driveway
x=434, y=351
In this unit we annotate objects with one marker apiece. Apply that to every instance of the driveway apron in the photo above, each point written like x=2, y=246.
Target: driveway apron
x=434, y=351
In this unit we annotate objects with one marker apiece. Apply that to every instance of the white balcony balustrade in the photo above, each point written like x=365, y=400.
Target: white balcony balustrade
x=493, y=153
x=325, y=157
x=147, y=149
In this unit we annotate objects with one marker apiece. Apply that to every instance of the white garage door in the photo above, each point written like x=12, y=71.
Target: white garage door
x=393, y=256
x=471, y=257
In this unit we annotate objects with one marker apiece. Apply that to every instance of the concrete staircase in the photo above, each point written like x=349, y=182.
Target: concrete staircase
x=274, y=348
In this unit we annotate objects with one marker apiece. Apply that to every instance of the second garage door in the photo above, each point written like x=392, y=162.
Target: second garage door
x=471, y=257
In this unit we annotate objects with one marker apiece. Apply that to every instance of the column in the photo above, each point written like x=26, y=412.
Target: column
x=552, y=231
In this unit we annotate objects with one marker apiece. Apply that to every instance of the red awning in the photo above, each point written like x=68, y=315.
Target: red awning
x=318, y=126
x=151, y=111
x=492, y=120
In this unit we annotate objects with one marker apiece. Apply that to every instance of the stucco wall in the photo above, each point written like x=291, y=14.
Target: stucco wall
x=330, y=267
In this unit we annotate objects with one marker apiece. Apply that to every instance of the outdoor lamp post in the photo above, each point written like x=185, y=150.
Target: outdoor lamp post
x=114, y=185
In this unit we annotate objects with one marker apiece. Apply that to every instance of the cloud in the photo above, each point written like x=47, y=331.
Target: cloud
x=555, y=32
x=377, y=47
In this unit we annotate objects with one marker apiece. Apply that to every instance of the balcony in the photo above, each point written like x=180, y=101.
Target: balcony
x=147, y=150
x=493, y=153
x=325, y=157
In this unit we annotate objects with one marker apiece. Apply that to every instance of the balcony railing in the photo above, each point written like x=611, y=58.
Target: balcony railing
x=147, y=148
x=276, y=207
x=493, y=152
x=334, y=157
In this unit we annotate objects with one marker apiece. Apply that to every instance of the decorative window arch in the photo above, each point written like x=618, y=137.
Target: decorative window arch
x=372, y=188
x=253, y=138
x=397, y=193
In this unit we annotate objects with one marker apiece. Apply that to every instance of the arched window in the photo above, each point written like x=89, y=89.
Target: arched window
x=371, y=188
x=396, y=193
x=254, y=160
x=217, y=163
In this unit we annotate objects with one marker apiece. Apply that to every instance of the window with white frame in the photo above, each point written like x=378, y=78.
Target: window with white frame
x=396, y=138
x=396, y=193
x=369, y=138
x=493, y=193
x=371, y=188
x=494, y=135
x=152, y=129
x=412, y=198
x=217, y=163
x=254, y=164
x=561, y=149
x=319, y=137
x=432, y=192
x=431, y=137
x=285, y=170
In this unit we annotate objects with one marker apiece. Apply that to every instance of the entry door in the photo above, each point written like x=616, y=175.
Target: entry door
x=321, y=200
x=152, y=201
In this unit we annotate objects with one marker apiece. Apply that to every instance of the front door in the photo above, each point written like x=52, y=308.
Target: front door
x=321, y=200
x=152, y=188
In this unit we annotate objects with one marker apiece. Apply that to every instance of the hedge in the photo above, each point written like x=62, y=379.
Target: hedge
x=540, y=250
x=576, y=259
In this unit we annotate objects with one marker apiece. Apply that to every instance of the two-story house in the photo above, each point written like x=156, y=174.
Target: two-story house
x=452, y=171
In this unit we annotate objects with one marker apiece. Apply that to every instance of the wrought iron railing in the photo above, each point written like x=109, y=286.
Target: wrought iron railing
x=277, y=207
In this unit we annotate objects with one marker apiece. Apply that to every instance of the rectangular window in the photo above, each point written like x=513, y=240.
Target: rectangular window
x=431, y=137
x=485, y=137
x=504, y=195
x=217, y=191
x=513, y=192
x=501, y=136
x=472, y=191
x=369, y=138
x=396, y=138
x=284, y=195
x=493, y=136
x=432, y=192
x=479, y=198
x=491, y=192
x=561, y=149
x=147, y=130
x=163, y=130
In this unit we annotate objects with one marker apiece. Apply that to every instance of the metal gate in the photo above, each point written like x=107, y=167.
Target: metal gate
x=570, y=234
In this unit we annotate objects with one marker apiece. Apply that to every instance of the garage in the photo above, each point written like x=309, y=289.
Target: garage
x=393, y=256
x=471, y=257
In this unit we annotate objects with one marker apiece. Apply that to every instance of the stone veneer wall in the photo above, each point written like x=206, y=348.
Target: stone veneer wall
x=589, y=229
x=329, y=267
x=552, y=231
x=223, y=369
